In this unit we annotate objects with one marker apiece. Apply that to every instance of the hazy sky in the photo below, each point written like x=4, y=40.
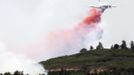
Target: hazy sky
x=25, y=22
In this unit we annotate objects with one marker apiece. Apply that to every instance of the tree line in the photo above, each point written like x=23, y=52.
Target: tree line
x=16, y=73
x=123, y=45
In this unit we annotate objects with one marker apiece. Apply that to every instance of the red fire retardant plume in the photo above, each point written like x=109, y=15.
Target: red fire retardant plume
x=69, y=41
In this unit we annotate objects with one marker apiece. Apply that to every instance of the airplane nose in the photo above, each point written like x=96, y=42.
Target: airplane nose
x=103, y=8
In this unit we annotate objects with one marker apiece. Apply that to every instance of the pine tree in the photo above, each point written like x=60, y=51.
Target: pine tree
x=123, y=45
x=100, y=46
x=83, y=50
x=132, y=45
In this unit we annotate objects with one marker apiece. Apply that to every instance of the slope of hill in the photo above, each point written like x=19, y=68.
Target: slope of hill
x=105, y=58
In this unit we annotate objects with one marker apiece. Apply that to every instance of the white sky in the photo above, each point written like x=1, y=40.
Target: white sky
x=119, y=22
x=23, y=22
